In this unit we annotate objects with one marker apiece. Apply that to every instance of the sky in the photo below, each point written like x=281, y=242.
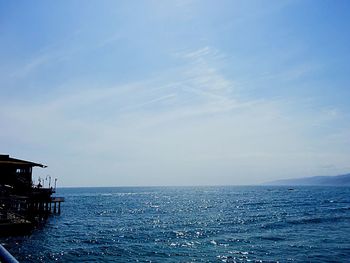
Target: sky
x=181, y=92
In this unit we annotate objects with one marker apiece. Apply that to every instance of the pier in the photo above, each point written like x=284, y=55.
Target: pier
x=23, y=204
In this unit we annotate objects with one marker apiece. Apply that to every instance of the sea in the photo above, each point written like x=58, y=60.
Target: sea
x=193, y=224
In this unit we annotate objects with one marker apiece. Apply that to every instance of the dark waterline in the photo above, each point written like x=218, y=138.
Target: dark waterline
x=193, y=224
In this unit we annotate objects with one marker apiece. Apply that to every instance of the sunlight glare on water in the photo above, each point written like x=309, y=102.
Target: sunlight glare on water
x=193, y=224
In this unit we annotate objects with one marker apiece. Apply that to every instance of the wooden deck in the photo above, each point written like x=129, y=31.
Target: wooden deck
x=20, y=214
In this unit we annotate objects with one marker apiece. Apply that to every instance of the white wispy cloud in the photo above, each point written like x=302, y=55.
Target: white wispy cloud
x=66, y=49
x=196, y=54
x=32, y=64
x=192, y=123
x=294, y=72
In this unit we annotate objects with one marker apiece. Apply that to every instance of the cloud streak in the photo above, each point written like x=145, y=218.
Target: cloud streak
x=191, y=124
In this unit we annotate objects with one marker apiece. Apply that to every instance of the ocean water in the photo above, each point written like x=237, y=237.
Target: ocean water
x=193, y=224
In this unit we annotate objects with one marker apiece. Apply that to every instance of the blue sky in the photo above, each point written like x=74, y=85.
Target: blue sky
x=187, y=92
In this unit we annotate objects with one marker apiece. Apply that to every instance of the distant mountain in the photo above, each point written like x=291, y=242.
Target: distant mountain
x=338, y=180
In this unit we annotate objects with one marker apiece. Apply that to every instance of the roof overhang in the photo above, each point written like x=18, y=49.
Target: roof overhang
x=8, y=161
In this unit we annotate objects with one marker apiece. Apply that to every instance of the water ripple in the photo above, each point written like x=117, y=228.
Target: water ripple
x=198, y=224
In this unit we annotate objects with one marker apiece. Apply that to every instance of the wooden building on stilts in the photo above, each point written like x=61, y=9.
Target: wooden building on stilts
x=23, y=204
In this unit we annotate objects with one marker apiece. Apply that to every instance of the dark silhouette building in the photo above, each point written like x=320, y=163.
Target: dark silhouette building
x=16, y=174
x=23, y=204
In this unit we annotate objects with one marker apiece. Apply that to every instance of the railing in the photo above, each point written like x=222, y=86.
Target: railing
x=6, y=257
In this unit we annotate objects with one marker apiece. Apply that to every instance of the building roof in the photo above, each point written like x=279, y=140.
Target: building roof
x=6, y=160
